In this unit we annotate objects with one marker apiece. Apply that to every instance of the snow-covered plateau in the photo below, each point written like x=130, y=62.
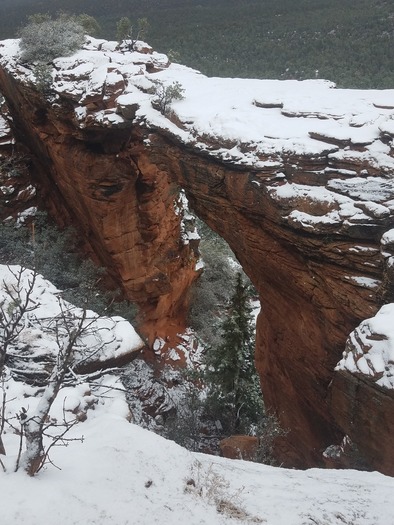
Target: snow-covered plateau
x=250, y=122
x=124, y=475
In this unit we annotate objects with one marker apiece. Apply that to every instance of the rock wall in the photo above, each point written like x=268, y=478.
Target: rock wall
x=124, y=211
x=303, y=195
x=310, y=302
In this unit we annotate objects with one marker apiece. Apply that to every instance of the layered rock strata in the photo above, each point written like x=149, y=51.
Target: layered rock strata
x=296, y=176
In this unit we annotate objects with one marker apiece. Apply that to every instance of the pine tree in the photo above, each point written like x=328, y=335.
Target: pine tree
x=234, y=389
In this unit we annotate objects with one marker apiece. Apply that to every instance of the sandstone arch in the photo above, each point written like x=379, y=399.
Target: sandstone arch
x=295, y=217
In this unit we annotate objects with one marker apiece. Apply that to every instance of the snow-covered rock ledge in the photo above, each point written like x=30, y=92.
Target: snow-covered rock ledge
x=370, y=349
x=242, y=121
x=45, y=325
x=121, y=474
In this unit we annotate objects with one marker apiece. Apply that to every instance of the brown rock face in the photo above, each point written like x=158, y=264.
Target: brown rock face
x=304, y=223
x=122, y=205
x=308, y=304
x=239, y=447
x=362, y=409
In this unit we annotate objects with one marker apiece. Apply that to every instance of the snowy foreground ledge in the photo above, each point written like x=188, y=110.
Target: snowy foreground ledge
x=104, y=339
x=120, y=474
x=369, y=349
x=124, y=475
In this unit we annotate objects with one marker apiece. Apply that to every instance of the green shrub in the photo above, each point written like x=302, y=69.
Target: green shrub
x=165, y=95
x=44, y=38
x=89, y=24
x=234, y=395
x=125, y=32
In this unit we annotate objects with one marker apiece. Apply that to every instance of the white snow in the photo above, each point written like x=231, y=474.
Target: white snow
x=103, y=338
x=388, y=238
x=114, y=472
x=364, y=282
x=370, y=348
x=320, y=207
x=221, y=115
x=25, y=214
x=122, y=474
x=5, y=132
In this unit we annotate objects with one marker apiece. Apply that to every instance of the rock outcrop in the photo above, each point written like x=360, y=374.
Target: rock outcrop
x=363, y=386
x=88, y=176
x=296, y=176
x=240, y=447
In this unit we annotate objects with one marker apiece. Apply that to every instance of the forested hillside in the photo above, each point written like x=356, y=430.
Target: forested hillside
x=348, y=41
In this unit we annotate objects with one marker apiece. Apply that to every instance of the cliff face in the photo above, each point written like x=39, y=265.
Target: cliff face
x=125, y=211
x=296, y=176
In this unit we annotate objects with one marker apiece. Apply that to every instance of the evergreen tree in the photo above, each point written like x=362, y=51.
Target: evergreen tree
x=234, y=390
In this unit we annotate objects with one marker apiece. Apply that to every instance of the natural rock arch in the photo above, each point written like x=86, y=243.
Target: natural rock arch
x=306, y=235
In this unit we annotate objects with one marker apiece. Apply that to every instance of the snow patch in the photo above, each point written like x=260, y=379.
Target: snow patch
x=370, y=348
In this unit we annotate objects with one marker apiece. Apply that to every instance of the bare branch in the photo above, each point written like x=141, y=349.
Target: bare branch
x=55, y=440
x=18, y=459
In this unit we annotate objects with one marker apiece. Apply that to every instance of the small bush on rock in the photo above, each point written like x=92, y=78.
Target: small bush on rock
x=165, y=95
x=127, y=34
x=44, y=38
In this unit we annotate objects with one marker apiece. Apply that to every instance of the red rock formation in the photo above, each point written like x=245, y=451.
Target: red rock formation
x=303, y=216
x=365, y=410
x=362, y=392
x=239, y=447
x=123, y=209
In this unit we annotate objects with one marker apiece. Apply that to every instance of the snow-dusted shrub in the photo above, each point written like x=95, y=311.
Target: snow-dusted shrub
x=268, y=431
x=127, y=34
x=35, y=321
x=185, y=425
x=44, y=38
x=166, y=94
x=211, y=486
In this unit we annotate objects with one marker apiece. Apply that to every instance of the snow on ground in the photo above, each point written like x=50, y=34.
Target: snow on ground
x=48, y=317
x=122, y=474
x=114, y=472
